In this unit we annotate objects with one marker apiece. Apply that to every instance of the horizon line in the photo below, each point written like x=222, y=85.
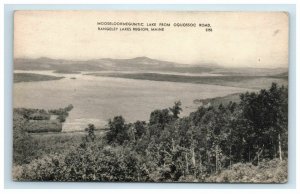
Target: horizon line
x=199, y=64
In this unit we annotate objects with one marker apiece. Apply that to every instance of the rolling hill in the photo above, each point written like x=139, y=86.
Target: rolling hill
x=142, y=64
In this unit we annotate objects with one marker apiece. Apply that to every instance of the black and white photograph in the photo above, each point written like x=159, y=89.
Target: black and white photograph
x=150, y=96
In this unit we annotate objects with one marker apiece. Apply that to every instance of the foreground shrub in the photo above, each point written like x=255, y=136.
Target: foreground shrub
x=86, y=163
x=48, y=168
x=272, y=171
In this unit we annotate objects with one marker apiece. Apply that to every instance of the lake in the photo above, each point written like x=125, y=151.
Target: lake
x=97, y=99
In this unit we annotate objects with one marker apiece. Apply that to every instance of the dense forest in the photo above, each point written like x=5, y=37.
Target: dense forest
x=244, y=141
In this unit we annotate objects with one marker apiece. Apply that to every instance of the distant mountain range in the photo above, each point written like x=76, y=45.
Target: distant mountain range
x=143, y=64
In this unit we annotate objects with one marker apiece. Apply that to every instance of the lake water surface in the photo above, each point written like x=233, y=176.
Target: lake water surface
x=97, y=99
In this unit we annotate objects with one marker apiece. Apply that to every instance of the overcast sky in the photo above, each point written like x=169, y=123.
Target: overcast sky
x=237, y=39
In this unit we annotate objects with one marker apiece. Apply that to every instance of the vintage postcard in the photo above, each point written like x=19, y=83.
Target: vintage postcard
x=150, y=96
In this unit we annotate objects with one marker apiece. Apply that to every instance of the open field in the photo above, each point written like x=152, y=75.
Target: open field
x=54, y=142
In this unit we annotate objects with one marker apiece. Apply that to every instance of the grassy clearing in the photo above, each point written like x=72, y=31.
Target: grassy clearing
x=56, y=142
x=43, y=144
x=32, y=77
x=38, y=126
x=39, y=120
